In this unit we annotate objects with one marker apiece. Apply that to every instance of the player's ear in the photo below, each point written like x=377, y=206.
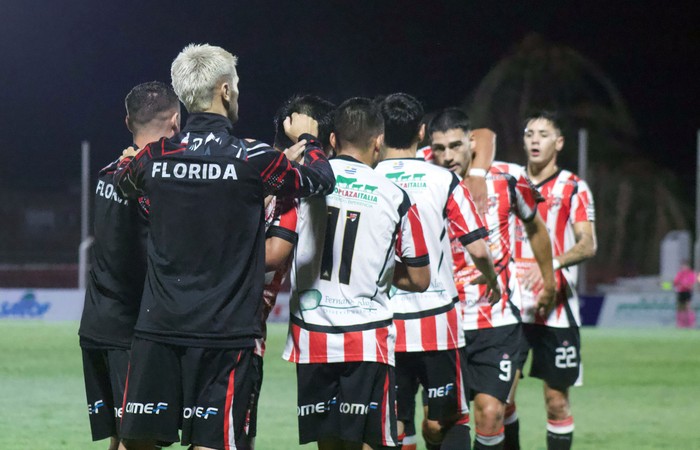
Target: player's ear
x=175, y=122
x=333, y=141
x=128, y=123
x=225, y=91
x=421, y=133
x=379, y=143
x=559, y=143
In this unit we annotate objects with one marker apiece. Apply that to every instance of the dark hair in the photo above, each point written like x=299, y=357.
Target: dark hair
x=357, y=121
x=402, y=115
x=449, y=119
x=313, y=106
x=147, y=101
x=550, y=116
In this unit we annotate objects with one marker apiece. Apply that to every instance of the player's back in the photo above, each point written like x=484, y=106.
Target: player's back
x=115, y=283
x=343, y=267
x=433, y=189
x=206, y=238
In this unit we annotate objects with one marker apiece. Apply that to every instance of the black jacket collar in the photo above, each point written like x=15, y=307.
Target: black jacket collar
x=203, y=122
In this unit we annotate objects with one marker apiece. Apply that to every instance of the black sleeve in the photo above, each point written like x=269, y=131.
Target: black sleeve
x=281, y=177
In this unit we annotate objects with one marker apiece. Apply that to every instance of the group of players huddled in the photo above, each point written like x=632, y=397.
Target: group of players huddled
x=433, y=267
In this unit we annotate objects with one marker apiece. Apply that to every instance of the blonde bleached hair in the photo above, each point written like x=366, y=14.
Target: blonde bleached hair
x=198, y=71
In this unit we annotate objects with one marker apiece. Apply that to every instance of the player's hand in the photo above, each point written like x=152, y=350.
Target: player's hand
x=494, y=292
x=296, y=151
x=546, y=300
x=477, y=188
x=268, y=199
x=298, y=124
x=129, y=152
x=532, y=279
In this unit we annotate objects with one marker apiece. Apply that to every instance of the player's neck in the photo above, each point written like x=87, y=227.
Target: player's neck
x=364, y=156
x=142, y=139
x=539, y=173
x=393, y=153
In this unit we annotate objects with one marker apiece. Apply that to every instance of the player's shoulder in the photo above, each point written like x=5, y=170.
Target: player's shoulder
x=570, y=178
x=513, y=169
x=425, y=153
x=254, y=147
x=109, y=169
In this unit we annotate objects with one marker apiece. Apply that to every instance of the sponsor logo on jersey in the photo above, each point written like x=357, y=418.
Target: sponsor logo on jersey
x=94, y=408
x=348, y=188
x=199, y=411
x=108, y=191
x=146, y=408
x=409, y=181
x=554, y=202
x=315, y=408
x=193, y=171
x=441, y=391
x=313, y=299
x=357, y=408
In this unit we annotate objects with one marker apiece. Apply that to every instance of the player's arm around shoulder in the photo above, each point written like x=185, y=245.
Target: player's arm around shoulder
x=129, y=174
x=283, y=177
x=483, y=143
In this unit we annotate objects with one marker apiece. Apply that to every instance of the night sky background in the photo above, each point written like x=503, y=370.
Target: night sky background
x=67, y=65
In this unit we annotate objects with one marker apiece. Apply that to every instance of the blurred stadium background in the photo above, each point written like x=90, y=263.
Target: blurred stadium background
x=641, y=379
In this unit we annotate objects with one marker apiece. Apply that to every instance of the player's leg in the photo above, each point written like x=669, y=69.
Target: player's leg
x=247, y=440
x=118, y=361
x=406, y=389
x=410, y=440
x=152, y=402
x=218, y=385
x=98, y=391
x=556, y=360
x=560, y=422
x=318, y=386
x=366, y=405
x=494, y=355
x=446, y=421
x=511, y=422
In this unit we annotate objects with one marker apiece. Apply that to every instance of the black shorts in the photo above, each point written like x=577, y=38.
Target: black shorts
x=556, y=354
x=354, y=402
x=442, y=374
x=492, y=357
x=683, y=297
x=252, y=420
x=104, y=371
x=205, y=392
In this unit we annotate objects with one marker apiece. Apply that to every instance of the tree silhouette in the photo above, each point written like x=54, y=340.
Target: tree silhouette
x=636, y=204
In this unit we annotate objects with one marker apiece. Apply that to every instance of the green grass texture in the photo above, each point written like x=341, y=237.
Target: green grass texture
x=641, y=391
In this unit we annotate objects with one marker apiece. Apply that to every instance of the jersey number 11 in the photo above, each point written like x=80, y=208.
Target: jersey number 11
x=352, y=222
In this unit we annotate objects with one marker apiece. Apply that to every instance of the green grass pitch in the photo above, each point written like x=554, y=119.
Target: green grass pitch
x=641, y=391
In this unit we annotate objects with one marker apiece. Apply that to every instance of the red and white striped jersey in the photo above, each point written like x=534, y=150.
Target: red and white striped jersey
x=425, y=153
x=568, y=200
x=510, y=195
x=344, y=264
x=280, y=221
x=431, y=320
